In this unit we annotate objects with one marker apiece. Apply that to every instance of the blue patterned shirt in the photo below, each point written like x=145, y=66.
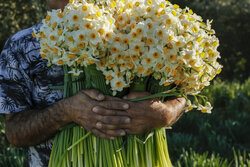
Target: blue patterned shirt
x=24, y=84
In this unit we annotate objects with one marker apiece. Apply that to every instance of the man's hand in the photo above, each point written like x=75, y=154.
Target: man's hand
x=83, y=109
x=149, y=114
x=32, y=127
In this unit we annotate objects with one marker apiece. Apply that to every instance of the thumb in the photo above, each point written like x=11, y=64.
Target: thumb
x=134, y=95
x=94, y=94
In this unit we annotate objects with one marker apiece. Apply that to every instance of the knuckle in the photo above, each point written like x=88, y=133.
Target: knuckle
x=119, y=105
x=114, y=113
x=115, y=120
x=94, y=131
x=124, y=120
x=137, y=131
x=107, y=119
x=99, y=110
x=97, y=117
x=110, y=104
x=104, y=111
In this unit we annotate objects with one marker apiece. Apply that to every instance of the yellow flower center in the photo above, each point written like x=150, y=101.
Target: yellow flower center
x=60, y=62
x=101, y=31
x=134, y=35
x=98, y=14
x=150, y=41
x=139, y=30
x=70, y=38
x=109, y=77
x=150, y=2
x=84, y=8
x=172, y=57
x=93, y=36
x=137, y=48
x=75, y=18
x=52, y=37
x=60, y=14
x=81, y=37
x=101, y=63
x=150, y=25
x=85, y=56
x=149, y=9
x=71, y=56
x=137, y=4
x=114, y=50
x=126, y=41
x=168, y=21
x=160, y=33
x=140, y=69
x=81, y=45
x=119, y=57
x=108, y=35
x=187, y=56
x=156, y=55
x=88, y=26
x=165, y=50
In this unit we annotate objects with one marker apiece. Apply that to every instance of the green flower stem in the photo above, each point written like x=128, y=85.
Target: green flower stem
x=80, y=140
x=158, y=95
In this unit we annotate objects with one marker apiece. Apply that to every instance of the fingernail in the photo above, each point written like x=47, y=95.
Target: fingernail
x=127, y=120
x=99, y=124
x=95, y=109
x=100, y=96
x=125, y=106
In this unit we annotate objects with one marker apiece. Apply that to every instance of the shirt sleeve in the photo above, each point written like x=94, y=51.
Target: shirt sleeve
x=15, y=93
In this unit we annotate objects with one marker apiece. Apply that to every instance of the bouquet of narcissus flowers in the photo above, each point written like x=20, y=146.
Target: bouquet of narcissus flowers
x=118, y=46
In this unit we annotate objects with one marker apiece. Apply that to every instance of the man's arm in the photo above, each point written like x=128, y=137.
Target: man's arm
x=32, y=127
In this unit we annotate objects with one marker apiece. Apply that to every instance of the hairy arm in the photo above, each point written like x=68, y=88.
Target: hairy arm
x=23, y=128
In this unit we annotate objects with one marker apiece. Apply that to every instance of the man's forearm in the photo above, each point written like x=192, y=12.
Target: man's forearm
x=32, y=127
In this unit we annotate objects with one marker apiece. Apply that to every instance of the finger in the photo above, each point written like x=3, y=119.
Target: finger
x=113, y=98
x=103, y=111
x=94, y=94
x=114, y=105
x=103, y=127
x=129, y=132
x=100, y=134
x=134, y=95
x=113, y=120
x=134, y=131
x=115, y=133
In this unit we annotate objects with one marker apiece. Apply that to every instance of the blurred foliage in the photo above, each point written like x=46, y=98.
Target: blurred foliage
x=9, y=155
x=226, y=128
x=192, y=159
x=16, y=15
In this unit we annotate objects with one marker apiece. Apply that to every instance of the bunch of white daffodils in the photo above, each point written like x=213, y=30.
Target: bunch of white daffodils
x=155, y=37
x=76, y=35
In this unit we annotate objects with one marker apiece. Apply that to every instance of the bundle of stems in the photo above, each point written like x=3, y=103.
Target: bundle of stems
x=75, y=147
